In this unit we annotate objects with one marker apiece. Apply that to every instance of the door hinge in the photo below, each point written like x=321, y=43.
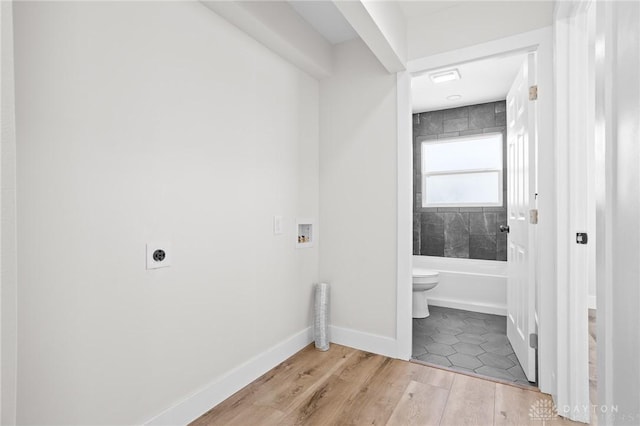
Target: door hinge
x=533, y=340
x=533, y=216
x=533, y=93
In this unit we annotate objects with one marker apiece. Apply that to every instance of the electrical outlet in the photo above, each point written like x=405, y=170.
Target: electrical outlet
x=158, y=255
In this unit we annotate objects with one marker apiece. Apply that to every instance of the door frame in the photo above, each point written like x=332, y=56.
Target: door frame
x=617, y=64
x=540, y=41
x=575, y=115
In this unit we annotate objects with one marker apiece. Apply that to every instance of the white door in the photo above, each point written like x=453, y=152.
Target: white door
x=520, y=200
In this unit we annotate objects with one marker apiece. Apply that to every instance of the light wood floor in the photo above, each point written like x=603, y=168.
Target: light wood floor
x=345, y=386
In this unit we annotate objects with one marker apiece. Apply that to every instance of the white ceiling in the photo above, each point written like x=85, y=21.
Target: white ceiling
x=325, y=18
x=412, y=9
x=481, y=81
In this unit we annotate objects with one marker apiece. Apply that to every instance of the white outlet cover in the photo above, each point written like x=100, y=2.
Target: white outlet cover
x=158, y=261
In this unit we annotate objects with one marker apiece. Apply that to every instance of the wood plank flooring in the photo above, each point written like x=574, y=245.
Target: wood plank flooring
x=345, y=386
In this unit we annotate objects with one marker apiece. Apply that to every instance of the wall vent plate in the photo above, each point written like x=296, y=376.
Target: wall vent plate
x=158, y=255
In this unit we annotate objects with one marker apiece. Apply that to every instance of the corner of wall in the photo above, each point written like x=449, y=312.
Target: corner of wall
x=358, y=152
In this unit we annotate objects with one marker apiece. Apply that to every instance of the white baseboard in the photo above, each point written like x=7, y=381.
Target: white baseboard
x=367, y=342
x=592, y=302
x=484, y=308
x=203, y=400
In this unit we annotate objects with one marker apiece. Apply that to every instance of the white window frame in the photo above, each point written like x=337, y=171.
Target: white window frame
x=426, y=175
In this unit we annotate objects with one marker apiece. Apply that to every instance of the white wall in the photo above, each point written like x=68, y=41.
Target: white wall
x=280, y=28
x=473, y=22
x=153, y=121
x=358, y=207
x=8, y=288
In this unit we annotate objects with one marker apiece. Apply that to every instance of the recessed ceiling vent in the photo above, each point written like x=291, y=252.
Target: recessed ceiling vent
x=444, y=76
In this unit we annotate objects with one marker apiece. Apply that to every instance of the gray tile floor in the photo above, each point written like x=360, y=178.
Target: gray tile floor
x=467, y=341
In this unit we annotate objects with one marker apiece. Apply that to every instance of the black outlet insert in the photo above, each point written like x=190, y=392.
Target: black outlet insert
x=159, y=255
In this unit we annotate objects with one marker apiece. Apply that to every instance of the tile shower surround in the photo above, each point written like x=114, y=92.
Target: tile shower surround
x=464, y=232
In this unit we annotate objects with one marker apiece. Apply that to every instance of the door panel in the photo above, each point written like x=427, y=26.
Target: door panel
x=520, y=181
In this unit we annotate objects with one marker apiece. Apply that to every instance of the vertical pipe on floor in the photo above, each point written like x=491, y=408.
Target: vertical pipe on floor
x=321, y=323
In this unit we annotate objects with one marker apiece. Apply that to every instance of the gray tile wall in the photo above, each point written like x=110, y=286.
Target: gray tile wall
x=470, y=232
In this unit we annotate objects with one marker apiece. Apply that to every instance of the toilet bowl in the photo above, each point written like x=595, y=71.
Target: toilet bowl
x=423, y=280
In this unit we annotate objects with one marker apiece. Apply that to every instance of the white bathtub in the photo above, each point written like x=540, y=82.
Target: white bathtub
x=469, y=284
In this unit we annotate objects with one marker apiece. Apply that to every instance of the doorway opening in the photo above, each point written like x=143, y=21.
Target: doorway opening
x=474, y=215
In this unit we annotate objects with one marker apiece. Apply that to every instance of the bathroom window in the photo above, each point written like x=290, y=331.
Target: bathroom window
x=462, y=172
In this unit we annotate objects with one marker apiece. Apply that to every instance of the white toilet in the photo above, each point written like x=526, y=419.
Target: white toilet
x=423, y=280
